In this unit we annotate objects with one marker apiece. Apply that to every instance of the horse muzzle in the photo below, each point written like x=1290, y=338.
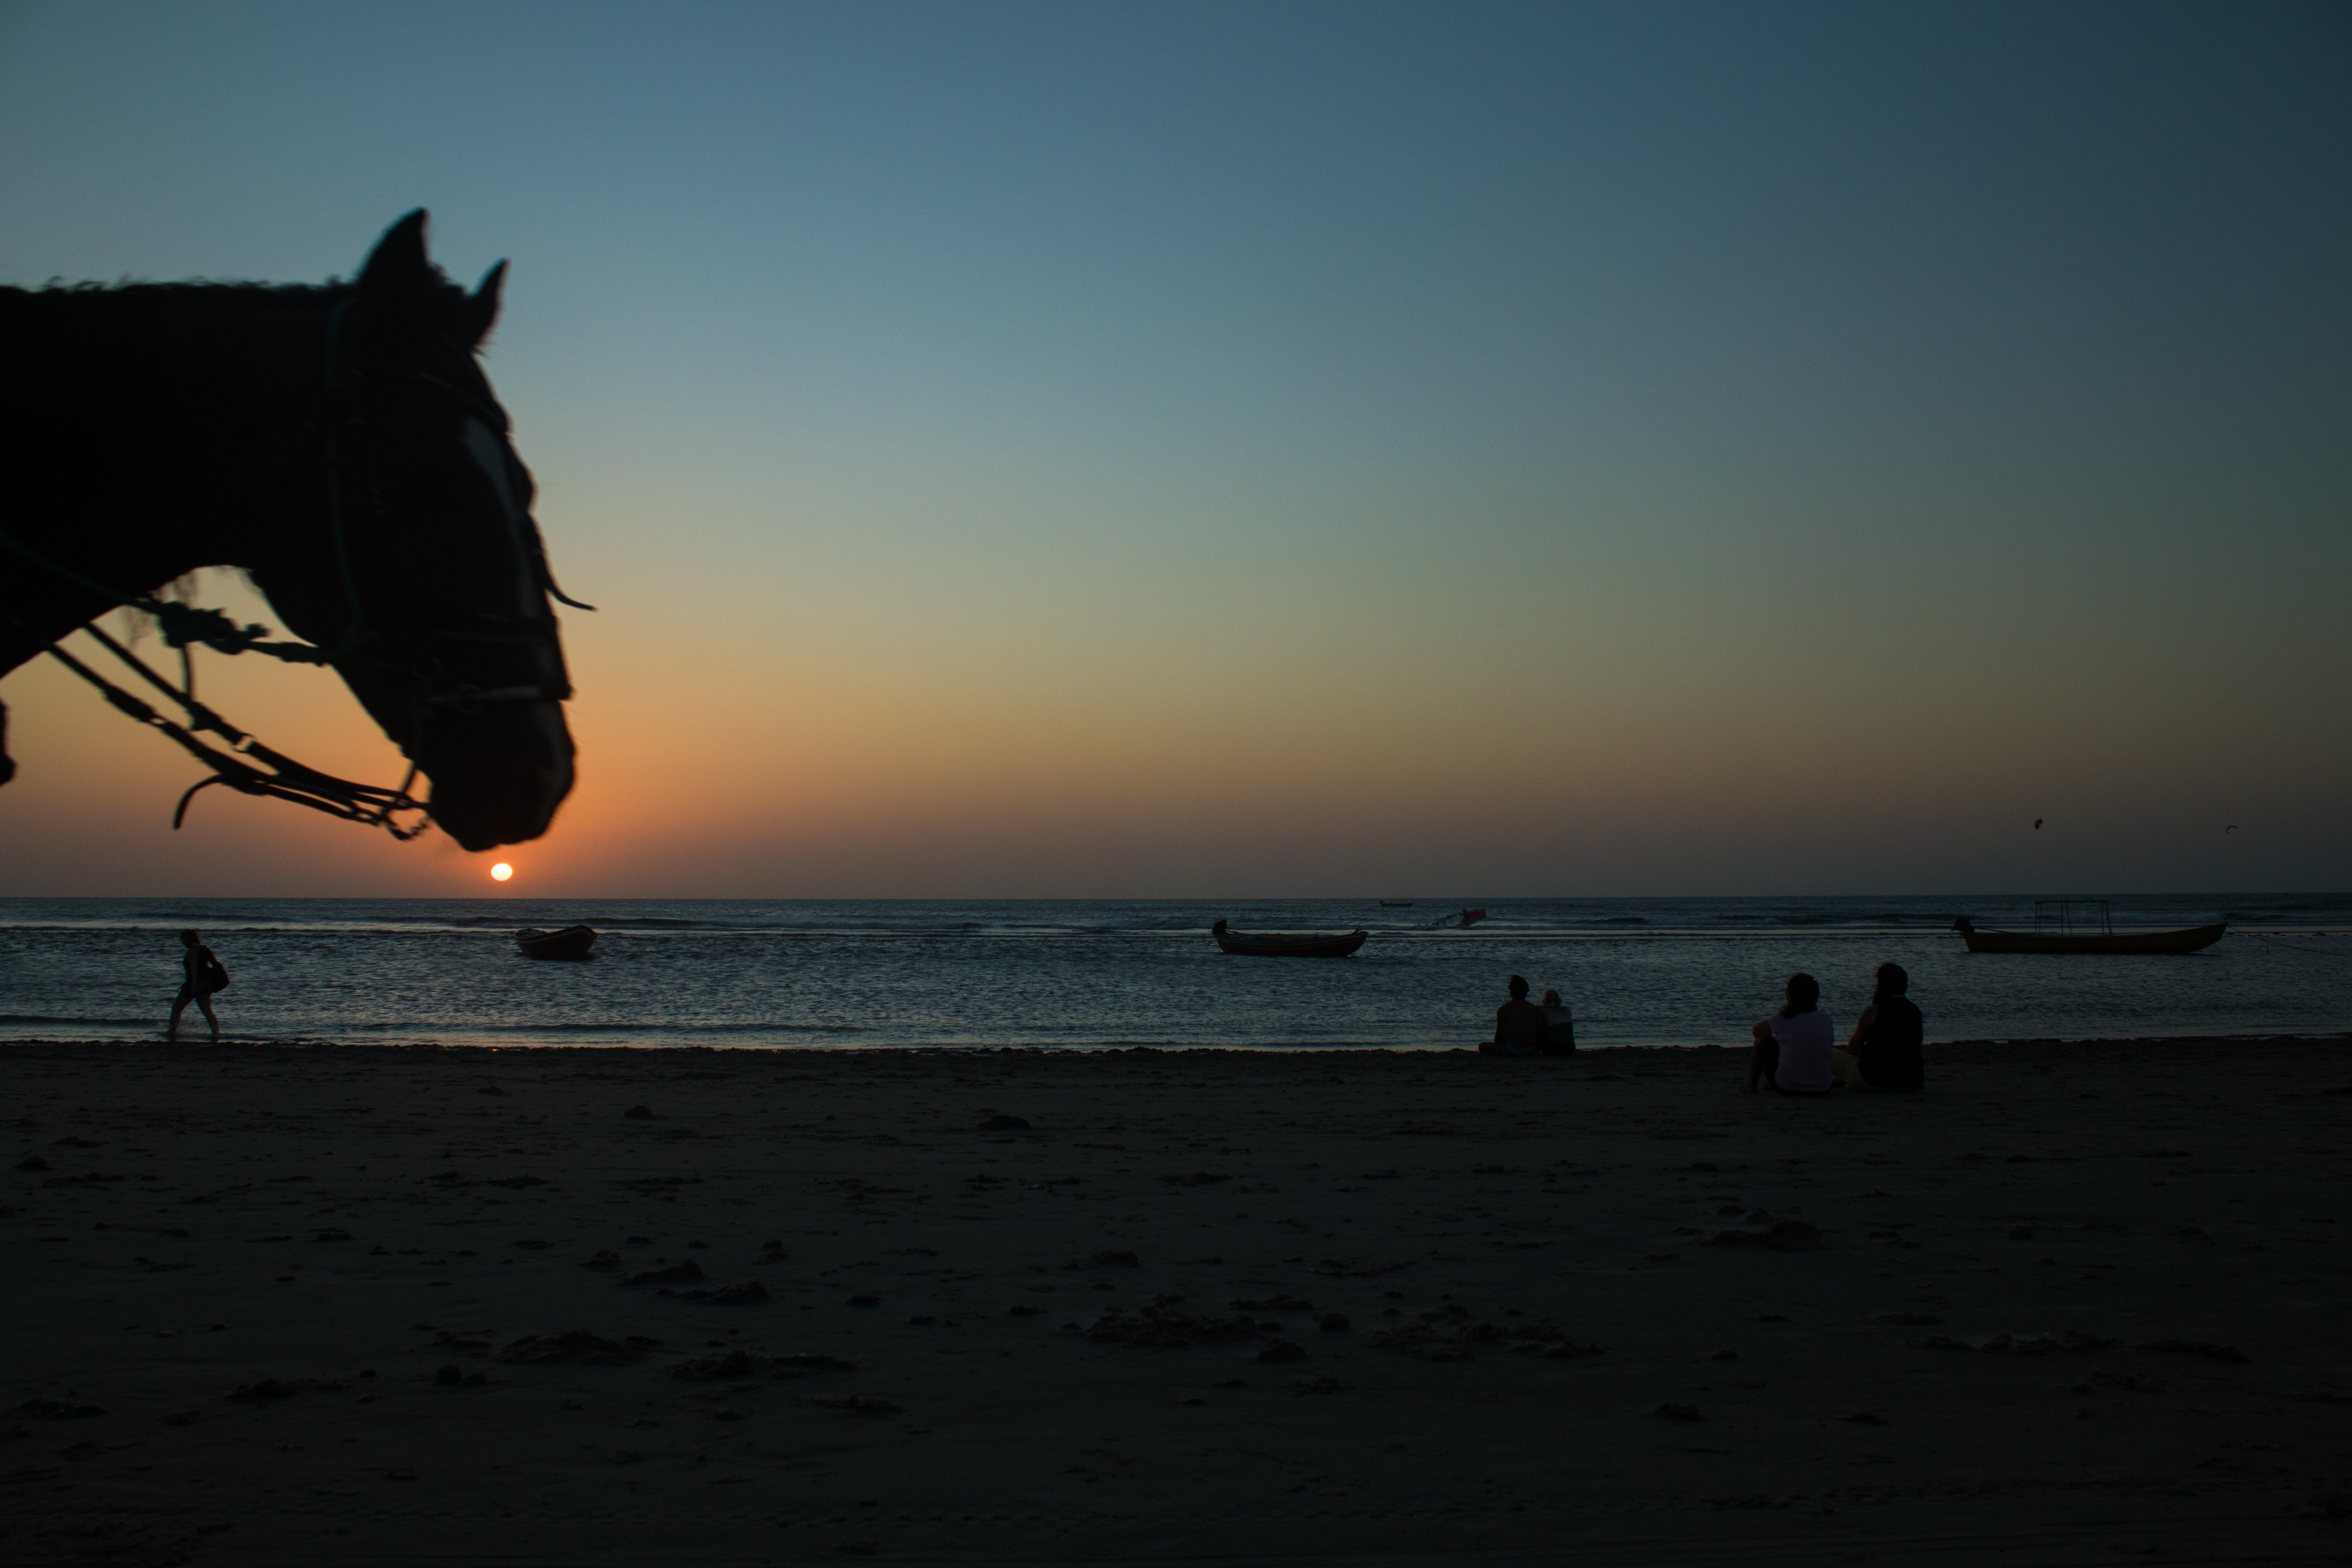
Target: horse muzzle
x=500, y=763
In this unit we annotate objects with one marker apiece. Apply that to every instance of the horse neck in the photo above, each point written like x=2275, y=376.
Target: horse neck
x=151, y=437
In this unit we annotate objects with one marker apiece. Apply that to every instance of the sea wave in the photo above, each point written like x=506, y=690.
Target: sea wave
x=655, y=1029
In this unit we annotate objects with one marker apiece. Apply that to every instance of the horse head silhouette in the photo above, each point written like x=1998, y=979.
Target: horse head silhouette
x=339, y=443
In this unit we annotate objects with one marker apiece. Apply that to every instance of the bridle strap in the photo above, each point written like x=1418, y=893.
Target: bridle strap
x=371, y=805
x=182, y=624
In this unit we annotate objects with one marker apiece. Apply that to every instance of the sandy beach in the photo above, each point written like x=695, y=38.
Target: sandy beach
x=274, y=1304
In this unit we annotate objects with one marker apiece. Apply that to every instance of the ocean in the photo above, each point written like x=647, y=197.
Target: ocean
x=1123, y=973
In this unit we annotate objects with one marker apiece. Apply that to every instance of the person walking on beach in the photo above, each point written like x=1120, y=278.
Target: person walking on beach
x=1518, y=1025
x=201, y=976
x=1886, y=1049
x=1792, y=1053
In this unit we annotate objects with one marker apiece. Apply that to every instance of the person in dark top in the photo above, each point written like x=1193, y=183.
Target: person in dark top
x=1518, y=1025
x=1887, y=1050
x=196, y=985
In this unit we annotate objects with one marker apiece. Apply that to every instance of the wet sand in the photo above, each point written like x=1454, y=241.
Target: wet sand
x=294, y=1305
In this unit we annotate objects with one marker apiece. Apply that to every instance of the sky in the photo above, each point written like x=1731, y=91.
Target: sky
x=1291, y=449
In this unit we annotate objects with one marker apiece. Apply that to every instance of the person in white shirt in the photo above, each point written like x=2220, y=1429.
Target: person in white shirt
x=1792, y=1053
x=1560, y=1026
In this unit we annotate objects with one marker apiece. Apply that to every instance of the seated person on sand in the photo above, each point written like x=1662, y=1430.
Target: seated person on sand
x=1518, y=1026
x=1560, y=1026
x=1886, y=1051
x=1792, y=1053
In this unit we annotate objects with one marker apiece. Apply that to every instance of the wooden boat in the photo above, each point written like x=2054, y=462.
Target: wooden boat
x=571, y=942
x=2190, y=940
x=1287, y=944
x=2084, y=925
x=1396, y=904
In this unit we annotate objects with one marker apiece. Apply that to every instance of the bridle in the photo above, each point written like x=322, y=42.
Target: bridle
x=185, y=627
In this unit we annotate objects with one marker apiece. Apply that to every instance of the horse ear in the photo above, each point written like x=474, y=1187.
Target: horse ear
x=398, y=265
x=482, y=307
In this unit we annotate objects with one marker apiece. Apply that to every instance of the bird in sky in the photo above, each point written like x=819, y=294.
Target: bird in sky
x=2037, y=825
x=2231, y=828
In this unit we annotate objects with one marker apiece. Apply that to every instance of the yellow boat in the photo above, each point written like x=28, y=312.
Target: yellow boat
x=2084, y=925
x=1286, y=945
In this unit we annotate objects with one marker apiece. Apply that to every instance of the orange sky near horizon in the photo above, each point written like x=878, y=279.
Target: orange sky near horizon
x=800, y=774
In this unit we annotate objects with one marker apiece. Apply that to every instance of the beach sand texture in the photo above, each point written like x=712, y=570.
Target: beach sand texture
x=299, y=1305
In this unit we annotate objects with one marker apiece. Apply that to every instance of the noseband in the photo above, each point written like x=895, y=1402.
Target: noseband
x=186, y=628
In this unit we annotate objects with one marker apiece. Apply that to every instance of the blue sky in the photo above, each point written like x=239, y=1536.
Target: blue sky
x=1605, y=448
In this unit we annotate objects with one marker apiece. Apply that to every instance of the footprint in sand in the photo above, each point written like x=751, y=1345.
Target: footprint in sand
x=745, y=1294
x=577, y=1347
x=58, y=1410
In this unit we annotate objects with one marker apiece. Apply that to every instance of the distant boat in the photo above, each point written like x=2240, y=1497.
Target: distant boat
x=571, y=942
x=2188, y=940
x=1396, y=904
x=2084, y=925
x=1287, y=944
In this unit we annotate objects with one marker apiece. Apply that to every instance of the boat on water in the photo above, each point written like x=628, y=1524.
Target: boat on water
x=1396, y=904
x=1287, y=943
x=571, y=942
x=2084, y=925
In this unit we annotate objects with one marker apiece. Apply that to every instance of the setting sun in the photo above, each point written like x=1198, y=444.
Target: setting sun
x=501, y=871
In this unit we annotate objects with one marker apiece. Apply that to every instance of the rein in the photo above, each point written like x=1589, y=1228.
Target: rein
x=186, y=628
x=371, y=805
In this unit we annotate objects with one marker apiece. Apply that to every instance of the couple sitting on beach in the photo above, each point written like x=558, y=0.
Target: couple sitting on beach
x=1796, y=1053
x=1524, y=1029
